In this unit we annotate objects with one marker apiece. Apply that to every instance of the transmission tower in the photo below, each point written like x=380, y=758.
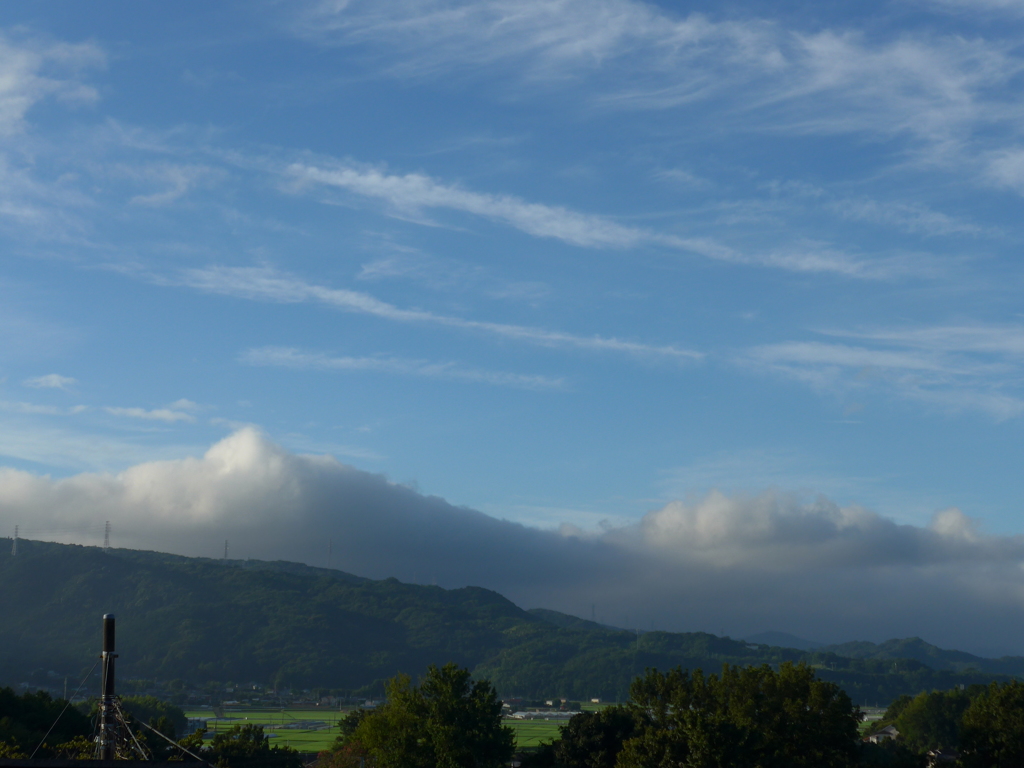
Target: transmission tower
x=14, y=545
x=225, y=549
x=106, y=536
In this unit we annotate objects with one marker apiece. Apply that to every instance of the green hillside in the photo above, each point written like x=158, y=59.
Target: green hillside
x=936, y=658
x=291, y=625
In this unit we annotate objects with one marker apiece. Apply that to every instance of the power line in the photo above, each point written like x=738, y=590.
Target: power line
x=66, y=705
x=169, y=740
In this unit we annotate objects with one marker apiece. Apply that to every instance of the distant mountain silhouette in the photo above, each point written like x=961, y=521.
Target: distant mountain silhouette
x=926, y=653
x=783, y=640
x=292, y=625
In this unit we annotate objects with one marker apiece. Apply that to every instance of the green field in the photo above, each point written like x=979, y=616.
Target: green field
x=306, y=730
x=285, y=726
x=530, y=733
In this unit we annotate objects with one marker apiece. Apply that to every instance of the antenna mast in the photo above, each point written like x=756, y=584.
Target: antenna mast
x=14, y=546
x=106, y=536
x=107, y=742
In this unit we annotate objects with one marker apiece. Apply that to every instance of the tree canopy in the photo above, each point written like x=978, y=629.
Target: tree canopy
x=25, y=720
x=932, y=720
x=594, y=739
x=992, y=728
x=245, y=746
x=754, y=717
x=448, y=721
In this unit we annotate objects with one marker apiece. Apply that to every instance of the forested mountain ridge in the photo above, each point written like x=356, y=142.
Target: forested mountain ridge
x=292, y=625
x=919, y=650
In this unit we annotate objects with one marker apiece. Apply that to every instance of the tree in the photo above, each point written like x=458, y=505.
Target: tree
x=349, y=755
x=449, y=721
x=751, y=717
x=890, y=753
x=245, y=746
x=10, y=751
x=594, y=739
x=992, y=728
x=895, y=709
x=347, y=726
x=25, y=720
x=932, y=720
x=150, y=709
x=192, y=743
x=394, y=733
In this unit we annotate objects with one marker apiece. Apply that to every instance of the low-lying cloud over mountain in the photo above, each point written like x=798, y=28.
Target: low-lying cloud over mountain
x=722, y=564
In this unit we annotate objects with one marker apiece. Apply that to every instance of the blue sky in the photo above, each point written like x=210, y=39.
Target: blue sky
x=560, y=262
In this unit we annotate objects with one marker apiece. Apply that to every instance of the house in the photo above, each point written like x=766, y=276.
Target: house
x=940, y=757
x=889, y=732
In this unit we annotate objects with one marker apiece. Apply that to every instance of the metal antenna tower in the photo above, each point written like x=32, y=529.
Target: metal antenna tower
x=330, y=546
x=106, y=536
x=106, y=744
x=115, y=739
x=14, y=546
x=225, y=549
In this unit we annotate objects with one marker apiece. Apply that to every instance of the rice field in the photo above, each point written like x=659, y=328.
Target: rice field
x=530, y=733
x=315, y=730
x=306, y=730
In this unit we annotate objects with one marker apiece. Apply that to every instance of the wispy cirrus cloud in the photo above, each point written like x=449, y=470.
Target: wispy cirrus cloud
x=955, y=367
x=173, y=180
x=636, y=55
x=1010, y=7
x=50, y=381
x=911, y=217
x=35, y=69
x=267, y=284
x=289, y=357
x=157, y=414
x=33, y=409
x=180, y=410
x=409, y=194
x=1005, y=340
x=1005, y=168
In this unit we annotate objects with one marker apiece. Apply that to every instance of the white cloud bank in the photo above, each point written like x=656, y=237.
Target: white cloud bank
x=739, y=564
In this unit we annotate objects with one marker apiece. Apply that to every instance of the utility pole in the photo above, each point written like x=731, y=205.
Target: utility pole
x=107, y=741
x=106, y=536
x=14, y=546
